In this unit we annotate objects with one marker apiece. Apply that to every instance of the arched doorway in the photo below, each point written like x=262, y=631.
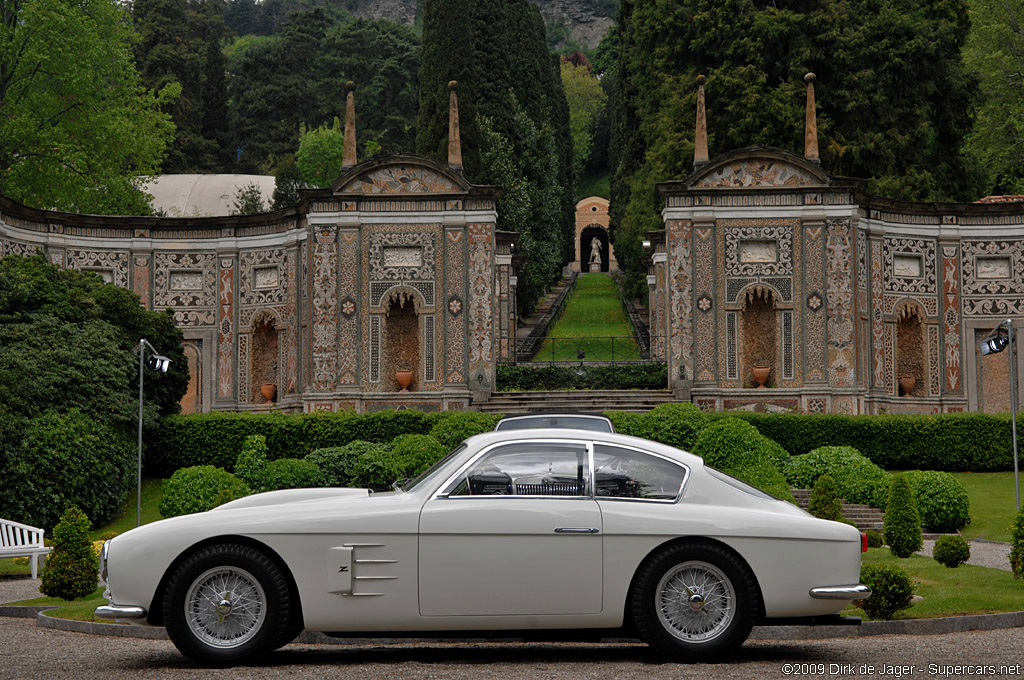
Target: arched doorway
x=401, y=340
x=587, y=236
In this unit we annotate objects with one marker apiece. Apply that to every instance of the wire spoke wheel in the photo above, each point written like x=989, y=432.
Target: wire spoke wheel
x=225, y=607
x=695, y=601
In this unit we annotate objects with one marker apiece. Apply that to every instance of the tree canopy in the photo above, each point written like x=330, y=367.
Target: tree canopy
x=77, y=128
x=514, y=122
x=894, y=97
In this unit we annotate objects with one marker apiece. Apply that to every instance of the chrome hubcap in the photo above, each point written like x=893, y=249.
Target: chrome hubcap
x=696, y=601
x=225, y=607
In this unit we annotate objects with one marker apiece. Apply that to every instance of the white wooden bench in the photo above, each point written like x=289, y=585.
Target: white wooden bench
x=21, y=540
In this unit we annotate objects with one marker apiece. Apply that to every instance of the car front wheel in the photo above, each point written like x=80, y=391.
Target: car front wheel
x=227, y=604
x=694, y=601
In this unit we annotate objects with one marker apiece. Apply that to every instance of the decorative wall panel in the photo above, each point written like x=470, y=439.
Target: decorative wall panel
x=740, y=239
x=899, y=275
x=113, y=261
x=225, y=330
x=481, y=300
x=815, y=308
x=325, y=309
x=348, y=291
x=681, y=297
x=877, y=324
x=455, y=320
x=951, y=315
x=184, y=267
x=262, y=277
x=704, y=286
x=839, y=247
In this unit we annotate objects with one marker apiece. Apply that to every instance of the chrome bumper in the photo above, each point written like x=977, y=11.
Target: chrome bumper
x=858, y=592
x=116, y=611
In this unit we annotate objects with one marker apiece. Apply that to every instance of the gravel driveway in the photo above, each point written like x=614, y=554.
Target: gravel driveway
x=30, y=652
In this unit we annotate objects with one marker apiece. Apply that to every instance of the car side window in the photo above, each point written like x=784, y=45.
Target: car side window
x=625, y=473
x=527, y=469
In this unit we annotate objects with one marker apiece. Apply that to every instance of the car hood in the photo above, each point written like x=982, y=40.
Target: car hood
x=290, y=496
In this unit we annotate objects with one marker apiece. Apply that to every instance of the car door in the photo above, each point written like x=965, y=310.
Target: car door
x=515, y=532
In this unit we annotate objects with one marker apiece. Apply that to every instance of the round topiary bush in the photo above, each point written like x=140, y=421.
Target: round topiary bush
x=874, y=538
x=736, y=447
x=68, y=459
x=858, y=480
x=200, y=488
x=454, y=426
x=941, y=500
x=891, y=590
x=902, y=524
x=676, y=424
x=825, y=502
x=951, y=551
x=71, y=568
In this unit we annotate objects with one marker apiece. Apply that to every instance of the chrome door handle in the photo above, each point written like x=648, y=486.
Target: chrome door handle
x=577, y=530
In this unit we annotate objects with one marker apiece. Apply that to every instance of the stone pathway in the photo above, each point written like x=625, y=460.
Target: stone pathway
x=983, y=554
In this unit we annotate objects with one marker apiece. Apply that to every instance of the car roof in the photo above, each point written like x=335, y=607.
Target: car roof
x=540, y=415
x=501, y=436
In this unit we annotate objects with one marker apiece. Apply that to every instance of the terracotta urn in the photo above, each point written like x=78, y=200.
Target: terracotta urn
x=760, y=374
x=269, y=391
x=404, y=378
x=907, y=383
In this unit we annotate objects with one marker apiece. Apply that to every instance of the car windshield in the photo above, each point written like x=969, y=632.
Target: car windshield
x=410, y=484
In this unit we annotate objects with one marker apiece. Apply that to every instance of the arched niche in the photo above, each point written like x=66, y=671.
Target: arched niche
x=192, y=401
x=911, y=350
x=264, y=358
x=587, y=235
x=401, y=346
x=759, y=335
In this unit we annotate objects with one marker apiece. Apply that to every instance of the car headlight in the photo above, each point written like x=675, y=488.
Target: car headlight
x=103, y=560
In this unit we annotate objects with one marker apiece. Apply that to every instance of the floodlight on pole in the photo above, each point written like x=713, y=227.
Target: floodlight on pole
x=999, y=339
x=158, y=363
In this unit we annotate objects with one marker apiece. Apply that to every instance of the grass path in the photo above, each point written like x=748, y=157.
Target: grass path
x=592, y=312
x=993, y=502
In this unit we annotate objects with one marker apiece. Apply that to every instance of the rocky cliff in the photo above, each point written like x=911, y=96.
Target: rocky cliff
x=585, y=20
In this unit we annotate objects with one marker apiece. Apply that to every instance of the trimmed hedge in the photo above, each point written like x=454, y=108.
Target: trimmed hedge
x=338, y=463
x=640, y=376
x=858, y=480
x=941, y=500
x=953, y=442
x=737, y=448
x=951, y=551
x=676, y=424
x=216, y=438
x=1017, y=545
x=451, y=427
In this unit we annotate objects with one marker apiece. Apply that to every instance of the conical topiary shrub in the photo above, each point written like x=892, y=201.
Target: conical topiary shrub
x=71, y=570
x=825, y=501
x=902, y=526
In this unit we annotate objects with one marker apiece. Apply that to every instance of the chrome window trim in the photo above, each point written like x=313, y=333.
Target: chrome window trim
x=444, y=490
x=665, y=501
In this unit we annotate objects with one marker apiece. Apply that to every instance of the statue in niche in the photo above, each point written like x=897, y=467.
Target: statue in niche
x=595, y=250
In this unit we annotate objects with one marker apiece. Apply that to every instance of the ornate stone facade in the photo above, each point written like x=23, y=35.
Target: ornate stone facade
x=398, y=263
x=765, y=259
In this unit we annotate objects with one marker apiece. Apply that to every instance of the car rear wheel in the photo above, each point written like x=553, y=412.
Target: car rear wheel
x=228, y=604
x=694, y=601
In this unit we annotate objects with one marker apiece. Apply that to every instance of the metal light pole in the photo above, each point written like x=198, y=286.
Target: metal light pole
x=996, y=342
x=160, y=363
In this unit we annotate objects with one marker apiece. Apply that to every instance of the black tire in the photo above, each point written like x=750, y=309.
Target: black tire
x=694, y=601
x=255, y=616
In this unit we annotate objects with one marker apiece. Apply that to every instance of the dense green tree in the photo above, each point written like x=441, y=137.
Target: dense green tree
x=496, y=50
x=67, y=340
x=76, y=126
x=179, y=42
x=586, y=104
x=995, y=51
x=382, y=59
x=320, y=155
x=894, y=98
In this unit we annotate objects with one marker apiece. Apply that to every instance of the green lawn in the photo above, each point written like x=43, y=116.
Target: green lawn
x=79, y=610
x=594, y=321
x=951, y=592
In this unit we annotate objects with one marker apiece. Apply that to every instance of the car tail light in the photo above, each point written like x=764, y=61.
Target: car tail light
x=863, y=542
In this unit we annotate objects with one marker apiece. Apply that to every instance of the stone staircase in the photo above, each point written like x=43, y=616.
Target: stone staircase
x=864, y=516
x=575, y=401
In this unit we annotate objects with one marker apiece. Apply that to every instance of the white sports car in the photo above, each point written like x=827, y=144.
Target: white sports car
x=536, y=532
